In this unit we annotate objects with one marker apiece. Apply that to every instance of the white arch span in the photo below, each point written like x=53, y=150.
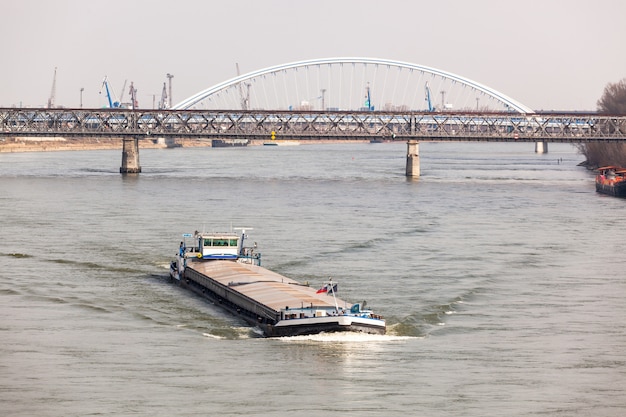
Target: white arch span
x=511, y=103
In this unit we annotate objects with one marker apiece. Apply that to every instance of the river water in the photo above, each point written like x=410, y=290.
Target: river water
x=500, y=273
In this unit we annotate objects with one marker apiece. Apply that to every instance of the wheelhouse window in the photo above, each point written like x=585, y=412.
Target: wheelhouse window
x=225, y=242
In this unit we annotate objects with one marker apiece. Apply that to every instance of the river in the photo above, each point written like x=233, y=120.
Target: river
x=499, y=273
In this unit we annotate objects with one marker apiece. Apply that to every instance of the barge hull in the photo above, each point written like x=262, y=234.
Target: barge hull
x=331, y=327
x=274, y=303
x=614, y=190
x=248, y=309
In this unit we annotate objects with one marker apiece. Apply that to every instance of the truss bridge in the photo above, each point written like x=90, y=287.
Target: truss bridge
x=314, y=125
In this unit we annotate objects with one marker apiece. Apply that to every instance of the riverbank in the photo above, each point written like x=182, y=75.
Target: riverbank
x=51, y=144
x=37, y=144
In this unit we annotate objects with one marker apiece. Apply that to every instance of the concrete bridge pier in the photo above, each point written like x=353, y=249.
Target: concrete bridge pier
x=541, y=147
x=413, y=159
x=130, y=156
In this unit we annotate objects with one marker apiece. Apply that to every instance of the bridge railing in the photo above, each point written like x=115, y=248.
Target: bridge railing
x=312, y=125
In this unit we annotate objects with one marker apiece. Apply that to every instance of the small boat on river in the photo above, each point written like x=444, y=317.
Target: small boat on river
x=219, y=267
x=611, y=180
x=281, y=142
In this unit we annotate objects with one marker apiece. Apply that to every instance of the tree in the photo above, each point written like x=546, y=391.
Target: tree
x=613, y=101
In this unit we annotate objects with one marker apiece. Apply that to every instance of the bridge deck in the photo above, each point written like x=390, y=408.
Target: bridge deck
x=262, y=125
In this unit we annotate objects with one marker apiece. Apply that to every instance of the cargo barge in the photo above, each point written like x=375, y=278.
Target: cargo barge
x=219, y=267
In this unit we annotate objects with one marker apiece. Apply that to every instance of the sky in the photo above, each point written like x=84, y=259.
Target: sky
x=546, y=54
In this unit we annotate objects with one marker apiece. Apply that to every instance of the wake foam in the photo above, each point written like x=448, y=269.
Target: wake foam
x=346, y=337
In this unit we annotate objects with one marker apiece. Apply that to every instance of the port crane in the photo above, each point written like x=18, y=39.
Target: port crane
x=133, y=96
x=54, y=90
x=105, y=85
x=245, y=98
x=428, y=99
x=163, y=103
x=368, y=98
x=122, y=93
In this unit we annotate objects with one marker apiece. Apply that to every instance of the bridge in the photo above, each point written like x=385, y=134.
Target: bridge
x=314, y=125
x=408, y=112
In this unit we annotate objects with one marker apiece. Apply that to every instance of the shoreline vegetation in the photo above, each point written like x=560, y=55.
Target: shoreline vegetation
x=602, y=154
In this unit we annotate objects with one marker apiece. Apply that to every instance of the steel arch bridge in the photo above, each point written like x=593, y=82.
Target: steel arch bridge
x=351, y=83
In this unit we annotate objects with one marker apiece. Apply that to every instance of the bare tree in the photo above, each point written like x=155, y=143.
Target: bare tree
x=603, y=154
x=613, y=101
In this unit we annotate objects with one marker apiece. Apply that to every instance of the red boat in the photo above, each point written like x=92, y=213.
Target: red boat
x=611, y=180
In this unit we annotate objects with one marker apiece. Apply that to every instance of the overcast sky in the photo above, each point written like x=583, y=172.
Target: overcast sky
x=546, y=54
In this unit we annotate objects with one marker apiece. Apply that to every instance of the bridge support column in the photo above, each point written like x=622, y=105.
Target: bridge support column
x=541, y=147
x=413, y=159
x=130, y=156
